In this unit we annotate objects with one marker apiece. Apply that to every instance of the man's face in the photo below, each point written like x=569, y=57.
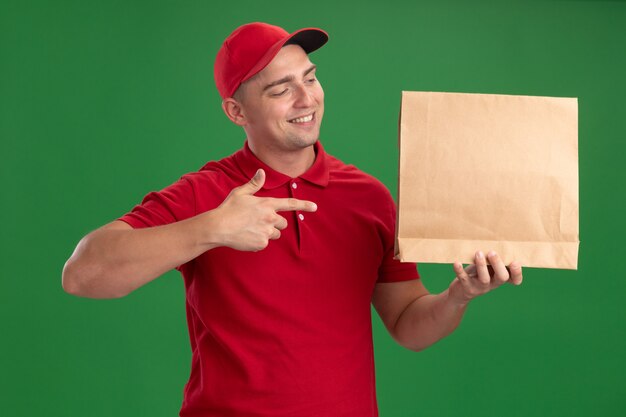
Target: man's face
x=284, y=103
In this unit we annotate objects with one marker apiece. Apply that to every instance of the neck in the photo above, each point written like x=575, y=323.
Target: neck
x=290, y=163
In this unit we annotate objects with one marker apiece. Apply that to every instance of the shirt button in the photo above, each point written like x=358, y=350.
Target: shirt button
x=294, y=185
x=301, y=216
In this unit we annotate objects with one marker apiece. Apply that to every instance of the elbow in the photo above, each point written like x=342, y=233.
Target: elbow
x=81, y=281
x=423, y=340
x=409, y=343
x=414, y=347
x=69, y=280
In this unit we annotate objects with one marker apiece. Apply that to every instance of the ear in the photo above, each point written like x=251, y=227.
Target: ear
x=234, y=111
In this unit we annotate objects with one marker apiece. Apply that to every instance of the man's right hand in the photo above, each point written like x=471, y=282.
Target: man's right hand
x=246, y=222
x=116, y=259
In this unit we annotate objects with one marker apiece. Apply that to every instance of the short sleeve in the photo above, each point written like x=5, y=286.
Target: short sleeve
x=172, y=204
x=392, y=270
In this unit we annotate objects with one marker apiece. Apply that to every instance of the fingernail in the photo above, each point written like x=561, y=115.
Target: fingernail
x=514, y=265
x=492, y=253
x=314, y=206
x=480, y=255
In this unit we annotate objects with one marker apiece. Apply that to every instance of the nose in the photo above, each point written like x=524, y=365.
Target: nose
x=304, y=97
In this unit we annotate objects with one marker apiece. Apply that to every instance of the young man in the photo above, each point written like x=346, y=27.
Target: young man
x=282, y=248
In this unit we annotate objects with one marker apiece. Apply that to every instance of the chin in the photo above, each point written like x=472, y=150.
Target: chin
x=305, y=143
x=300, y=142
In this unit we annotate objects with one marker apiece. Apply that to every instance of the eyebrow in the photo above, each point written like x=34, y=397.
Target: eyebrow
x=288, y=78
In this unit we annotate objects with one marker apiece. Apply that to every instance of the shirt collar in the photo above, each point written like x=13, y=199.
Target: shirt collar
x=317, y=174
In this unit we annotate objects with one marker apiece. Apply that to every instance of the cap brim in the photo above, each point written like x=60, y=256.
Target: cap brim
x=309, y=39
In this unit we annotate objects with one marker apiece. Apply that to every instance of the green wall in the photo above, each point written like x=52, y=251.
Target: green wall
x=102, y=102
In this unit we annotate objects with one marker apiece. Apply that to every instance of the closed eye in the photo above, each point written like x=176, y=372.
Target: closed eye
x=279, y=94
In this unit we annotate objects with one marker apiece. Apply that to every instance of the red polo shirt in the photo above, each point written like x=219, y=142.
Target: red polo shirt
x=285, y=331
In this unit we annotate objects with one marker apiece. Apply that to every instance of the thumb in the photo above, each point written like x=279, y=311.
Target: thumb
x=255, y=184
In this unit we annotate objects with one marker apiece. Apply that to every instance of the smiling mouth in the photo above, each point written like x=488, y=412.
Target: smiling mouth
x=303, y=119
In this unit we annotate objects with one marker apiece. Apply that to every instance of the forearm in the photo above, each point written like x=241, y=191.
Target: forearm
x=115, y=259
x=428, y=319
x=110, y=263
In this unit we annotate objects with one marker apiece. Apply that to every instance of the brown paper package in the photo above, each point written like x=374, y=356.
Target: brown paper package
x=488, y=172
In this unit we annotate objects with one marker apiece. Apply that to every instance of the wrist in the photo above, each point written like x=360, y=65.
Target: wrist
x=455, y=295
x=205, y=228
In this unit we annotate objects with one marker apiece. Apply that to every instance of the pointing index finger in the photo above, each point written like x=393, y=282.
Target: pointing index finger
x=293, y=204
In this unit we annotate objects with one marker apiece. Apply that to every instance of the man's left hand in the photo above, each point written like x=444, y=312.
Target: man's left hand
x=480, y=277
